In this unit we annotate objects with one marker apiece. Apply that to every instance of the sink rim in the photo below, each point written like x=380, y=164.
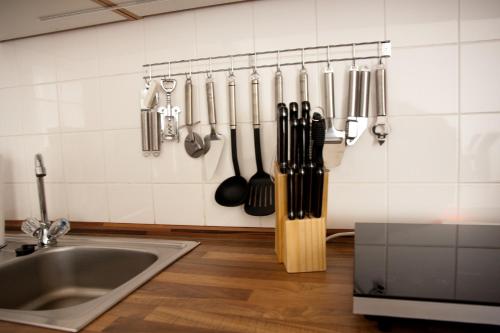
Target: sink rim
x=74, y=318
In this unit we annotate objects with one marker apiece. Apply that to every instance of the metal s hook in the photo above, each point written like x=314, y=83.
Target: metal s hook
x=303, y=61
x=190, y=70
x=379, y=45
x=209, y=73
x=354, y=54
x=231, y=71
x=254, y=63
x=278, y=64
x=150, y=74
x=169, y=72
x=328, y=56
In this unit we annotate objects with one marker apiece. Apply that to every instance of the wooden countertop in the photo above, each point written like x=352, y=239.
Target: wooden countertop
x=236, y=285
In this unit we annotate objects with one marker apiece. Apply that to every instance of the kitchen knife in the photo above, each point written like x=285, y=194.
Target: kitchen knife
x=318, y=137
x=292, y=163
x=282, y=130
x=308, y=164
x=301, y=157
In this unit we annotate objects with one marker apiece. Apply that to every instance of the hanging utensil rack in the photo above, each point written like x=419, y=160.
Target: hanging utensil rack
x=383, y=51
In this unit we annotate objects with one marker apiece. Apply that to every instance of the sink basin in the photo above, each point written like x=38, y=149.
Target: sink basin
x=67, y=286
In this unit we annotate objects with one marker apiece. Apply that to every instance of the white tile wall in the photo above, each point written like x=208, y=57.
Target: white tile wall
x=74, y=97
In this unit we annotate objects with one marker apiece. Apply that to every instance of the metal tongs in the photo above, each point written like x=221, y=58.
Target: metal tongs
x=381, y=128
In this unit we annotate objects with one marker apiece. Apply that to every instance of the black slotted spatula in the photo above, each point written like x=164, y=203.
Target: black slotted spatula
x=260, y=200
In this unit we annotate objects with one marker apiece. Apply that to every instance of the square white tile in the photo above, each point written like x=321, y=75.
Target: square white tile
x=17, y=204
x=79, y=105
x=274, y=30
x=9, y=72
x=174, y=165
x=87, y=202
x=10, y=110
x=83, y=157
x=217, y=215
x=480, y=148
x=51, y=149
x=422, y=22
x=36, y=59
x=354, y=166
x=423, y=149
x=131, y=203
x=178, y=204
x=121, y=47
x=349, y=203
x=15, y=164
x=480, y=77
x=479, y=203
x=214, y=22
x=422, y=203
x=162, y=44
x=77, y=53
x=120, y=101
x=55, y=195
x=341, y=21
x=38, y=109
x=423, y=80
x=479, y=20
x=124, y=160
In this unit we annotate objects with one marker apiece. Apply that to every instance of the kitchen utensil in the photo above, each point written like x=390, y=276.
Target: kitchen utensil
x=282, y=129
x=352, y=105
x=214, y=142
x=381, y=128
x=332, y=135
x=148, y=100
x=278, y=83
x=261, y=187
x=318, y=138
x=303, y=81
x=193, y=143
x=155, y=131
x=307, y=164
x=234, y=190
x=301, y=157
x=170, y=114
x=292, y=164
x=363, y=95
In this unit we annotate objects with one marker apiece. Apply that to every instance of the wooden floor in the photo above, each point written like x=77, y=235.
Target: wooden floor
x=237, y=286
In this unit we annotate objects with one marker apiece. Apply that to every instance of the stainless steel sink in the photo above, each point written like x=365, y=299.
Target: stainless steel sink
x=67, y=286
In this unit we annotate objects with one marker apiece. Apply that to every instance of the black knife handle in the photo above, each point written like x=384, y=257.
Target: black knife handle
x=318, y=129
x=300, y=193
x=294, y=131
x=317, y=192
x=290, y=193
x=306, y=115
x=282, y=129
x=308, y=180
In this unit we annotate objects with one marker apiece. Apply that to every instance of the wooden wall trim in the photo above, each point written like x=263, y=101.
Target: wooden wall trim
x=112, y=228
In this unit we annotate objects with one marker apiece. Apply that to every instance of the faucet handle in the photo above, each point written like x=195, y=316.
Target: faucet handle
x=31, y=226
x=58, y=228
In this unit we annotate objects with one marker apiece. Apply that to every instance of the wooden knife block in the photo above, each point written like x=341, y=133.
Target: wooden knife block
x=299, y=244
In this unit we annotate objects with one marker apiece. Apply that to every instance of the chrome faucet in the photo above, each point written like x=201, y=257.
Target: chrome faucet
x=46, y=231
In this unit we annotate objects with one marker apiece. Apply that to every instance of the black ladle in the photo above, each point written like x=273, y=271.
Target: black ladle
x=233, y=191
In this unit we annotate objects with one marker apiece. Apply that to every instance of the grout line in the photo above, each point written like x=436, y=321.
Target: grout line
x=459, y=117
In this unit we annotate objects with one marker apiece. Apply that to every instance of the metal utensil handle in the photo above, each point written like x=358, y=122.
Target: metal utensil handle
x=304, y=85
x=364, y=92
x=352, y=101
x=255, y=102
x=232, y=102
x=329, y=95
x=212, y=118
x=154, y=130
x=380, y=86
x=278, y=87
x=189, y=101
x=145, y=135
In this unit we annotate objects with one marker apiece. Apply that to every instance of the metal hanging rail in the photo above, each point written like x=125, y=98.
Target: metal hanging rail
x=384, y=51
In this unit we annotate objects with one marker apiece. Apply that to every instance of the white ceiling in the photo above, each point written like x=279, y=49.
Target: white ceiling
x=20, y=18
